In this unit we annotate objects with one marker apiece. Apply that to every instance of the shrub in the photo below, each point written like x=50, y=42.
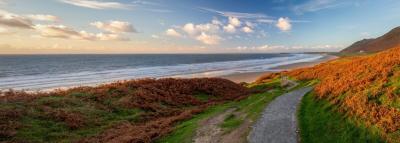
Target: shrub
x=98, y=114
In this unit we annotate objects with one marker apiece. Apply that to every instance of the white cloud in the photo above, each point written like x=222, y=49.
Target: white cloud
x=206, y=33
x=210, y=33
x=234, y=21
x=284, y=24
x=247, y=29
x=95, y=4
x=151, y=6
x=110, y=37
x=316, y=5
x=208, y=27
x=189, y=28
x=229, y=28
x=173, y=33
x=237, y=14
x=14, y=20
x=43, y=17
x=57, y=31
x=215, y=21
x=115, y=26
x=268, y=21
x=61, y=31
x=208, y=39
x=193, y=29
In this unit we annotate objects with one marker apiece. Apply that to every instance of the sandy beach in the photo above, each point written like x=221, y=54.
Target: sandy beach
x=252, y=76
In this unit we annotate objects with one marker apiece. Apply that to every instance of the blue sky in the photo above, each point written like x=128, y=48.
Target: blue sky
x=191, y=26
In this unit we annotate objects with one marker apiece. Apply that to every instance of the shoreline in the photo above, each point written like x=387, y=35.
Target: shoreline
x=235, y=77
x=252, y=76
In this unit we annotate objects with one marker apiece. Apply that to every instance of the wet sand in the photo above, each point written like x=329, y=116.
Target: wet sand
x=252, y=76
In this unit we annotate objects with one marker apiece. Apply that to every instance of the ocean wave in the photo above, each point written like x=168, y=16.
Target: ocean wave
x=40, y=82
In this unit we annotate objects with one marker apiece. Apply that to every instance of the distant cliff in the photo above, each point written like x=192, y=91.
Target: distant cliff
x=387, y=41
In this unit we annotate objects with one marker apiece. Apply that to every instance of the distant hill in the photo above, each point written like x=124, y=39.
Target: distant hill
x=387, y=41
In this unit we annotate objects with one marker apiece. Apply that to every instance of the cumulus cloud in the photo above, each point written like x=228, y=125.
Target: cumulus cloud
x=230, y=28
x=208, y=39
x=115, y=26
x=95, y=4
x=247, y=29
x=14, y=20
x=208, y=27
x=189, y=28
x=173, y=33
x=207, y=33
x=234, y=21
x=193, y=29
x=284, y=24
x=215, y=21
x=210, y=33
x=61, y=31
x=43, y=17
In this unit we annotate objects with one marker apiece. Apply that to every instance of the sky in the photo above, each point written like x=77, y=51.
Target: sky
x=190, y=26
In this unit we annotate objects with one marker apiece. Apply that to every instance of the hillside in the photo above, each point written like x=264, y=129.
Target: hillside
x=128, y=111
x=366, y=88
x=387, y=41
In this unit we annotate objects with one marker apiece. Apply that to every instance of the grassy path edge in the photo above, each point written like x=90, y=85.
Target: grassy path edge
x=319, y=121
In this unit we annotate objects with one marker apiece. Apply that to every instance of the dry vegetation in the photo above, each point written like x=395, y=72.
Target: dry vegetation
x=364, y=87
x=128, y=111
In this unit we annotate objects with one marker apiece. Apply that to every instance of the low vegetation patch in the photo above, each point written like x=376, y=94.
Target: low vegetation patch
x=231, y=122
x=128, y=111
x=320, y=121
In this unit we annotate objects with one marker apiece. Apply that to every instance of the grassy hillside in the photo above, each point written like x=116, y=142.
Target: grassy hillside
x=320, y=121
x=384, y=42
x=129, y=111
x=366, y=88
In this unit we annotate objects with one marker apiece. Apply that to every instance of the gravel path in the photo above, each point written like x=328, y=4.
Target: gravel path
x=278, y=123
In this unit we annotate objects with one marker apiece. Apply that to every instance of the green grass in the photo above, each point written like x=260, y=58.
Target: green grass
x=185, y=130
x=38, y=127
x=251, y=107
x=320, y=122
x=203, y=97
x=231, y=122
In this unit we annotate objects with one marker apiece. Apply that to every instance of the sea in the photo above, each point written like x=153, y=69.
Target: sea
x=43, y=72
